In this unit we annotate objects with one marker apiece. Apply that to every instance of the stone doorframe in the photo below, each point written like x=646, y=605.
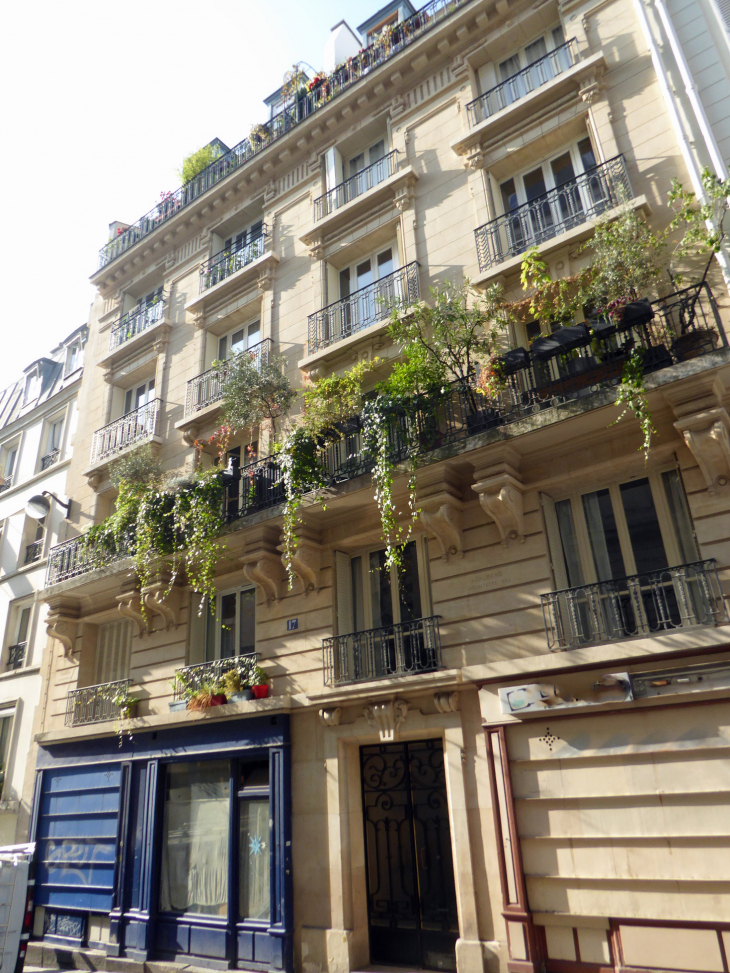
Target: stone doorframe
x=347, y=939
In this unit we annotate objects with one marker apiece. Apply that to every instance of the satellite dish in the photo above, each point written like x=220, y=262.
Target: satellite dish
x=38, y=507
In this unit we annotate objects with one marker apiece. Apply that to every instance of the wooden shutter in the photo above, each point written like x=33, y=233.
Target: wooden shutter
x=343, y=584
x=113, y=648
x=555, y=547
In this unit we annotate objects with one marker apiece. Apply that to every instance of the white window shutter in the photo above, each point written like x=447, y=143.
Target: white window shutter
x=555, y=547
x=113, y=649
x=343, y=585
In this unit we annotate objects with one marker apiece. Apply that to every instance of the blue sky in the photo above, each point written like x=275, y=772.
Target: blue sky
x=101, y=102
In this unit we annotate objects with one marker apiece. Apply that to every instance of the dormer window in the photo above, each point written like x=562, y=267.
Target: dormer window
x=32, y=387
x=74, y=358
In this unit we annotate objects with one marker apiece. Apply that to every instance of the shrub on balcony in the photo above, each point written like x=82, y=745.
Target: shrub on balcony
x=196, y=162
x=254, y=390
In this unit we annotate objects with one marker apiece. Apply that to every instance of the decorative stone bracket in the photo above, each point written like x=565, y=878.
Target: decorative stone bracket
x=386, y=717
x=331, y=716
x=707, y=434
x=306, y=561
x=130, y=606
x=501, y=500
x=443, y=521
x=62, y=623
x=265, y=570
x=446, y=702
x=159, y=601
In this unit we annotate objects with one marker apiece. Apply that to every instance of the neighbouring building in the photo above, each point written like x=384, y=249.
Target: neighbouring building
x=38, y=417
x=514, y=757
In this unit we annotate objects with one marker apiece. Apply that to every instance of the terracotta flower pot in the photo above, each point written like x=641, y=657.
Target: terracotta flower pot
x=218, y=699
x=260, y=692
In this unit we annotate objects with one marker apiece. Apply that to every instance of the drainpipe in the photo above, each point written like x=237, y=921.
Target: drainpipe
x=693, y=168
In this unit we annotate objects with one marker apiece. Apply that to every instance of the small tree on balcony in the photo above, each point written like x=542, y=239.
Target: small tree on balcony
x=254, y=390
x=195, y=162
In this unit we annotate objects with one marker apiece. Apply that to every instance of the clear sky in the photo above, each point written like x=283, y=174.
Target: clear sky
x=101, y=101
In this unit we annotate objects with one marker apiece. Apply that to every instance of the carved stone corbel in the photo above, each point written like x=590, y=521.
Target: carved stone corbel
x=159, y=601
x=444, y=523
x=62, y=623
x=500, y=494
x=129, y=604
x=476, y=159
x=262, y=562
x=405, y=196
x=190, y=436
x=590, y=89
x=161, y=339
x=707, y=435
x=306, y=559
x=386, y=717
x=446, y=702
x=330, y=716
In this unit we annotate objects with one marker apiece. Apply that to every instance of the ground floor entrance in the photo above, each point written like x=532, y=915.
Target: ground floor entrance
x=412, y=916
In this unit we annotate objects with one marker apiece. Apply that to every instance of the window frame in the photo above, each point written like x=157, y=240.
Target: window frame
x=12, y=631
x=7, y=721
x=545, y=164
x=372, y=257
x=246, y=328
x=149, y=386
x=547, y=35
x=214, y=618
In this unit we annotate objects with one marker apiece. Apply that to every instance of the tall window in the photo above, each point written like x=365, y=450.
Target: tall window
x=254, y=852
x=74, y=357
x=18, y=635
x=239, y=340
x=113, y=650
x=32, y=387
x=6, y=725
x=141, y=395
x=232, y=630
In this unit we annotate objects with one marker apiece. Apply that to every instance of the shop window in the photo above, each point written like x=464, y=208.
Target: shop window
x=254, y=896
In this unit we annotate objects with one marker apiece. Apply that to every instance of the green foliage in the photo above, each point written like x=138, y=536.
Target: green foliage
x=335, y=398
x=302, y=473
x=554, y=302
x=703, y=221
x=254, y=391
x=141, y=468
x=125, y=702
x=260, y=677
x=194, y=163
x=632, y=395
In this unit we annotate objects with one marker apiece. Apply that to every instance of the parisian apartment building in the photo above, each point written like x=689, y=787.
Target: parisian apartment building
x=513, y=755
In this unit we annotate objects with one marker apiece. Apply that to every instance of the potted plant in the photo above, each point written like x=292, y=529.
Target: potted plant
x=208, y=695
x=180, y=685
x=260, y=682
x=236, y=689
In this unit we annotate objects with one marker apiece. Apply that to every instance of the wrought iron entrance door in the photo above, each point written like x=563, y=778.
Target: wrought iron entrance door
x=410, y=874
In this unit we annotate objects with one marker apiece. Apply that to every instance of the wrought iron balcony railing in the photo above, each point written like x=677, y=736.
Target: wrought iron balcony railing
x=208, y=387
x=356, y=185
x=77, y=556
x=193, y=677
x=534, y=76
x=16, y=655
x=95, y=704
x=362, y=308
x=135, y=427
x=674, y=598
x=379, y=653
x=50, y=459
x=33, y=552
x=299, y=108
x=227, y=262
x=7, y=482
x=587, y=196
x=261, y=486
x=134, y=322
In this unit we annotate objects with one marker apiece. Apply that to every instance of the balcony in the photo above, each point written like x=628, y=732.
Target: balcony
x=136, y=427
x=95, y=704
x=77, y=556
x=208, y=388
x=519, y=85
x=381, y=653
x=16, y=655
x=229, y=261
x=368, y=306
x=193, y=677
x=302, y=107
x=638, y=606
x=7, y=482
x=584, y=198
x=356, y=185
x=134, y=322
x=261, y=486
x=50, y=459
x=33, y=552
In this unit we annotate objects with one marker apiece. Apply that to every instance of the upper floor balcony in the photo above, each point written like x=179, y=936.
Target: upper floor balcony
x=208, y=388
x=519, y=85
x=96, y=704
x=301, y=107
x=78, y=556
x=364, y=180
x=554, y=213
x=362, y=309
x=230, y=261
x=137, y=426
x=134, y=322
x=381, y=653
x=51, y=458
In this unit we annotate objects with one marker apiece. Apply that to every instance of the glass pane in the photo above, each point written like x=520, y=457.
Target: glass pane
x=509, y=195
x=136, y=831
x=377, y=151
x=409, y=590
x=247, y=639
x=364, y=274
x=10, y=464
x=558, y=36
x=128, y=402
x=587, y=155
x=643, y=524
x=680, y=517
x=562, y=168
x=385, y=263
x=357, y=163
x=569, y=543
x=345, y=283
x=534, y=183
x=509, y=67
x=228, y=626
x=536, y=50
x=358, y=608
x=23, y=625
x=237, y=342
x=254, y=333
x=381, y=601
x=603, y=534
x=255, y=860
x=222, y=348
x=194, y=859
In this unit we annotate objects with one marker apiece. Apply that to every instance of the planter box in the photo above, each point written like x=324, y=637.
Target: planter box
x=695, y=343
x=178, y=704
x=242, y=696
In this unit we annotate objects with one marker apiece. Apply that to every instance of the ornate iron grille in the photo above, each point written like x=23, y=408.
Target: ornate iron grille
x=633, y=607
x=7, y=482
x=77, y=556
x=514, y=88
x=378, y=653
x=362, y=308
x=16, y=655
x=356, y=185
x=134, y=322
x=50, y=459
x=193, y=677
x=33, y=552
x=575, y=202
x=135, y=427
x=299, y=109
x=228, y=261
x=208, y=387
x=261, y=486
x=94, y=704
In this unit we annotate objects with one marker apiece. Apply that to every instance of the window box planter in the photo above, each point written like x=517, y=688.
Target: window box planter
x=242, y=696
x=695, y=343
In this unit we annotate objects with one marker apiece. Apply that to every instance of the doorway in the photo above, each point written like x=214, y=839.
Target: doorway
x=412, y=917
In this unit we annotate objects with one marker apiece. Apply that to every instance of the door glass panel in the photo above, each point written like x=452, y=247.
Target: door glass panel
x=194, y=858
x=408, y=586
x=509, y=195
x=254, y=334
x=237, y=342
x=534, y=184
x=569, y=543
x=603, y=533
x=680, y=517
x=541, y=217
x=345, y=283
x=587, y=155
x=357, y=163
x=381, y=600
x=568, y=197
x=539, y=73
x=254, y=897
x=385, y=263
x=222, y=348
x=358, y=608
x=641, y=519
x=23, y=626
x=364, y=274
x=562, y=168
x=377, y=151
x=509, y=67
x=128, y=399
x=536, y=50
x=228, y=625
x=247, y=621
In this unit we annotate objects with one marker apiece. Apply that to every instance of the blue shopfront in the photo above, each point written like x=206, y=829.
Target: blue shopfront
x=176, y=845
